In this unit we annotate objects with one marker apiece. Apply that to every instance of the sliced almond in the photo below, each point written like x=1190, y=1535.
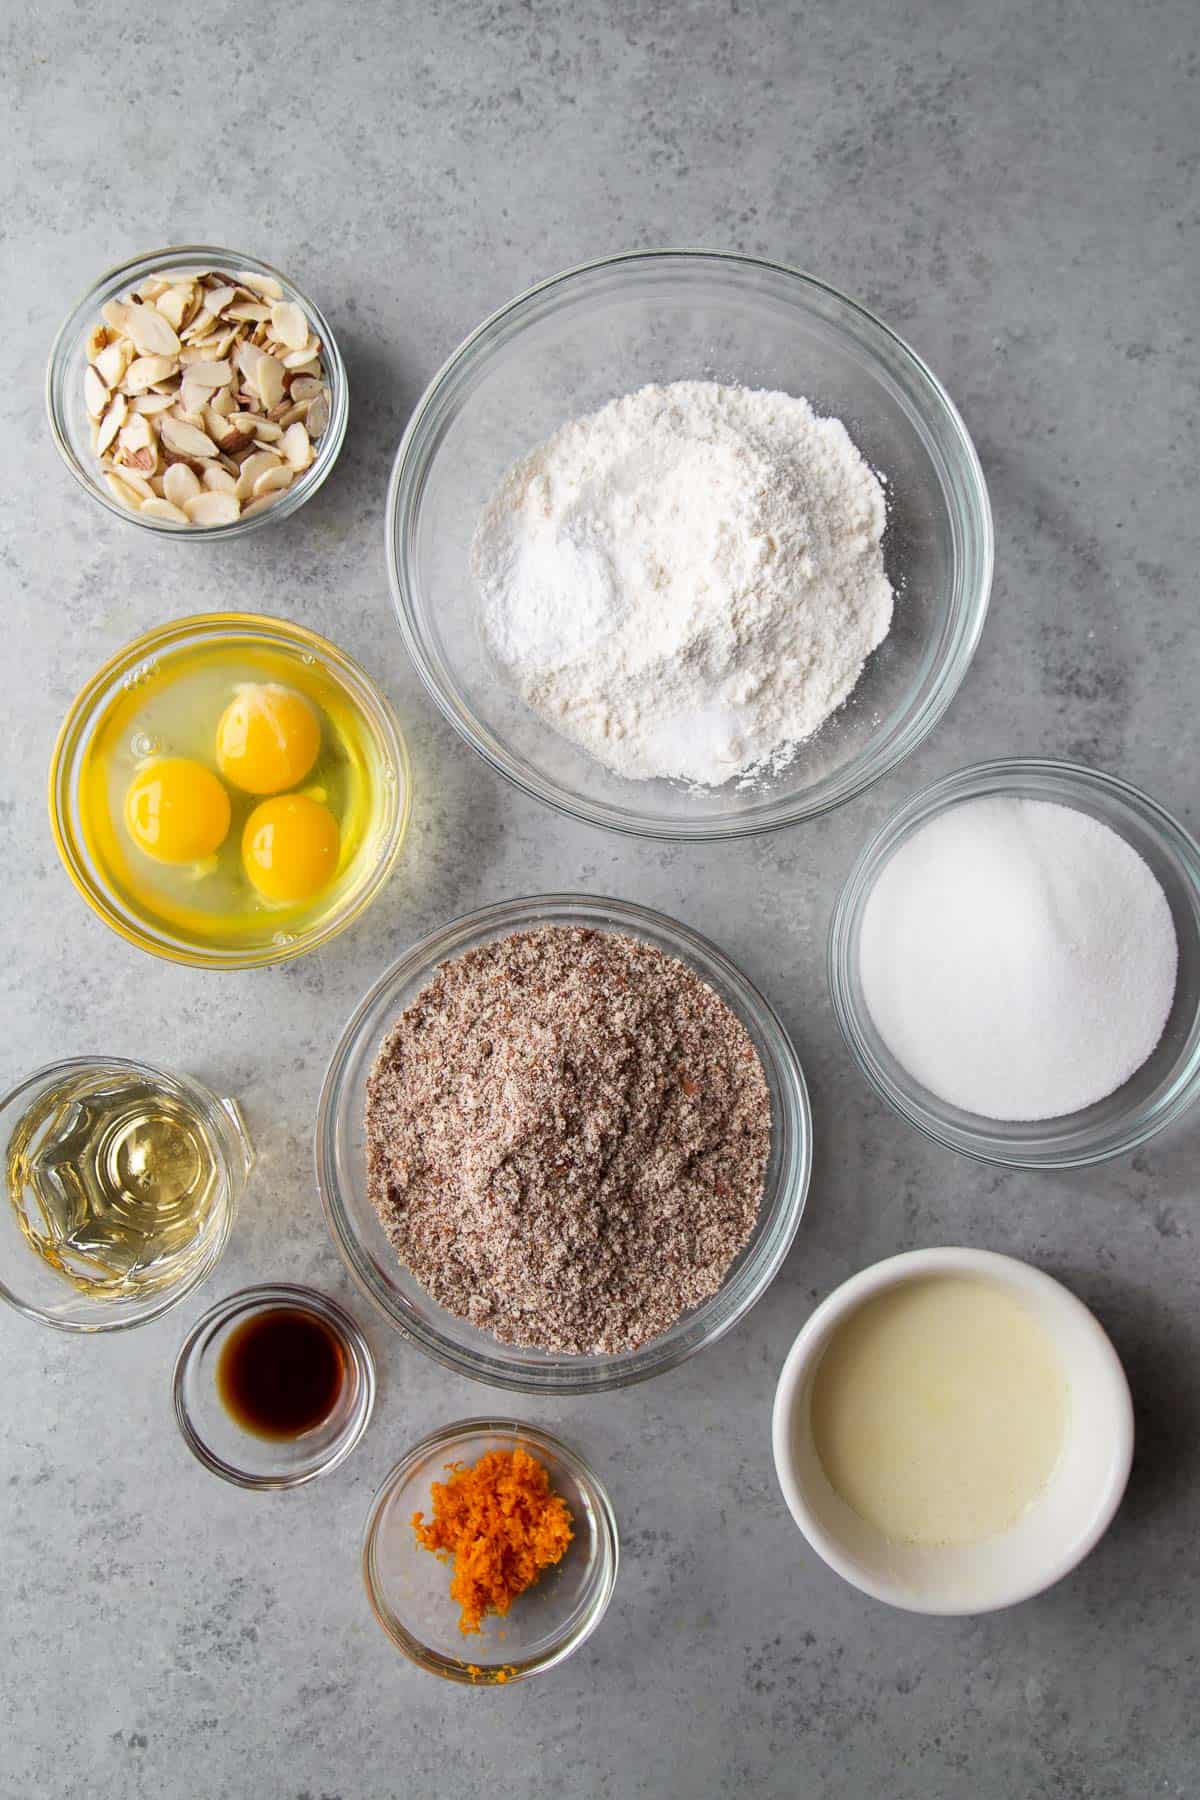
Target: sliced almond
x=217, y=299
x=185, y=439
x=246, y=357
x=223, y=402
x=305, y=387
x=296, y=447
x=180, y=484
x=289, y=324
x=259, y=505
x=151, y=403
x=95, y=393
x=304, y=360
x=146, y=371
x=272, y=479
x=173, y=304
x=209, y=374
x=136, y=473
x=152, y=287
x=202, y=326
x=193, y=400
x=113, y=361
x=233, y=440
x=262, y=462
x=318, y=415
x=296, y=411
x=151, y=332
x=114, y=312
x=219, y=480
x=251, y=312
x=162, y=509
x=97, y=339
x=267, y=377
x=213, y=509
x=112, y=422
x=136, y=432
x=261, y=284
x=122, y=491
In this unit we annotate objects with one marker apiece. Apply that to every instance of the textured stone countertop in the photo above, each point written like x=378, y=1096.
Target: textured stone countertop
x=1013, y=187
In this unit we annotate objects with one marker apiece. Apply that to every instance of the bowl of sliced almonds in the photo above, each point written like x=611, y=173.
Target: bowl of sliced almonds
x=197, y=391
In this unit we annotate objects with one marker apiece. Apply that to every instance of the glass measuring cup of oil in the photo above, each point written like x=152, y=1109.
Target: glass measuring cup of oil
x=121, y=1186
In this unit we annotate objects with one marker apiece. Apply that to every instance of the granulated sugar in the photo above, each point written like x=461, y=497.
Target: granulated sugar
x=1018, y=958
x=566, y=1139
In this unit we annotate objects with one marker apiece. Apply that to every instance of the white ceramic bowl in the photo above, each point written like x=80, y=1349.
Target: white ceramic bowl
x=1058, y=1529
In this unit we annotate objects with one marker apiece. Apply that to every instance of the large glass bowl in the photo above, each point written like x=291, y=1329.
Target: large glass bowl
x=572, y=343
x=69, y=423
x=358, y=1234
x=1157, y=1093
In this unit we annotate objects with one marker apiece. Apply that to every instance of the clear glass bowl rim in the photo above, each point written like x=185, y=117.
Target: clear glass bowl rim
x=80, y=715
x=1063, y=782
x=566, y=1375
x=973, y=531
x=235, y=1177
x=264, y=1296
x=607, y=1549
x=82, y=317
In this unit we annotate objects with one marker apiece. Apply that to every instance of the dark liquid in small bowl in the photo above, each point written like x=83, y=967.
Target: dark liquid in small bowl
x=282, y=1372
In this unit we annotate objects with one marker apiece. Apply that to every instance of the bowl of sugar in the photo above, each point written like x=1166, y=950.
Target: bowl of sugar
x=952, y=1431
x=1015, y=964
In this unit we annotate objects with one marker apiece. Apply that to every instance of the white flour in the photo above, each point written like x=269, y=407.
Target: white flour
x=687, y=582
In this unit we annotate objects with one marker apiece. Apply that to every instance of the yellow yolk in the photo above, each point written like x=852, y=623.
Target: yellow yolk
x=268, y=738
x=290, y=847
x=176, y=810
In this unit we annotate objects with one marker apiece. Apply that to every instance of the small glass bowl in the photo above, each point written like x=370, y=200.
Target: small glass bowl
x=226, y=1448
x=245, y=632
x=408, y=1586
x=1157, y=1093
x=70, y=425
x=574, y=342
x=40, y=1292
x=358, y=1234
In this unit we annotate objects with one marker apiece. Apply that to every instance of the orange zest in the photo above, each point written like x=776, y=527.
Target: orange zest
x=502, y=1523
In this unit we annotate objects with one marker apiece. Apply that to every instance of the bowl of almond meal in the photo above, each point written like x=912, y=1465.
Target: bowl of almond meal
x=564, y=1144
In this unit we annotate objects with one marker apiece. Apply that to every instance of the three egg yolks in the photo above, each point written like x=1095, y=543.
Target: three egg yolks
x=268, y=739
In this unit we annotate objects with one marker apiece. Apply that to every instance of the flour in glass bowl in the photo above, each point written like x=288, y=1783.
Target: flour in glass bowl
x=688, y=582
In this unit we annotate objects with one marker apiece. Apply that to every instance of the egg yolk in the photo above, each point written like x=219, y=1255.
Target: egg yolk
x=290, y=847
x=176, y=810
x=268, y=738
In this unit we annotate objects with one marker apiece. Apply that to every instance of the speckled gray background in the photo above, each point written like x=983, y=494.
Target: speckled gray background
x=1015, y=188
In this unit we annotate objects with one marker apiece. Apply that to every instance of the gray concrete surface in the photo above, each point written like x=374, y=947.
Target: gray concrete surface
x=1014, y=188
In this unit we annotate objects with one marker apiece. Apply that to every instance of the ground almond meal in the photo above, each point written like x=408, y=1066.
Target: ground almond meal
x=566, y=1139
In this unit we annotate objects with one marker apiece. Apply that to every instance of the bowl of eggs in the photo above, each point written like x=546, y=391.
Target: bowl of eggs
x=229, y=790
